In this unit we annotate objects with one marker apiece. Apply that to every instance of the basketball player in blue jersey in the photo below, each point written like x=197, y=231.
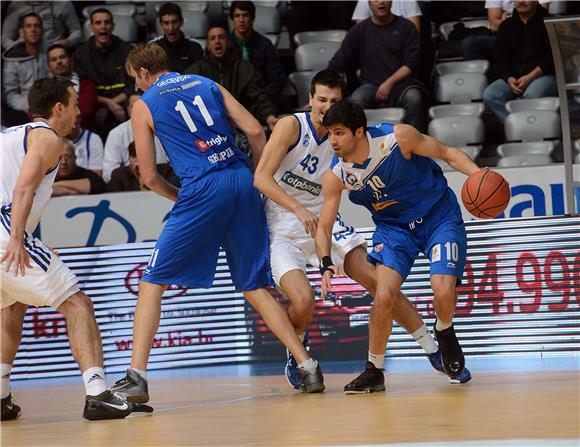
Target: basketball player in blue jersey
x=290, y=175
x=217, y=205
x=31, y=274
x=388, y=169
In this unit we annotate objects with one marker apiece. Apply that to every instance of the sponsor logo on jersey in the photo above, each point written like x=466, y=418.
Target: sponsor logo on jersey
x=436, y=253
x=221, y=156
x=301, y=184
x=382, y=205
x=205, y=145
x=306, y=140
x=174, y=80
x=350, y=178
x=379, y=247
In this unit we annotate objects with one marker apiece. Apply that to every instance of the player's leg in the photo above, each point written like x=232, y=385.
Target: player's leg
x=247, y=249
x=447, y=249
x=359, y=269
x=10, y=336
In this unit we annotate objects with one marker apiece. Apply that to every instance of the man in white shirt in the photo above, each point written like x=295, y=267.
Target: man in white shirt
x=89, y=150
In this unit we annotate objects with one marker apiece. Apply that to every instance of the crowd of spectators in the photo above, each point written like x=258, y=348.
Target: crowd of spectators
x=386, y=56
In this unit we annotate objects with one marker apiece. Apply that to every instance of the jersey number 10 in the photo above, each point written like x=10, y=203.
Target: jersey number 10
x=197, y=101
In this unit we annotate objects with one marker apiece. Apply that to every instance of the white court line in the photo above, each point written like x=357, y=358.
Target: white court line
x=481, y=443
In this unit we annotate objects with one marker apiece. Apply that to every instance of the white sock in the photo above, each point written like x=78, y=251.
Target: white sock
x=309, y=365
x=94, y=379
x=5, y=379
x=377, y=359
x=142, y=373
x=425, y=339
x=442, y=325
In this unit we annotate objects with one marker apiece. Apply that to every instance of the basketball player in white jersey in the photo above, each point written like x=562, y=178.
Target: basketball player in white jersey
x=31, y=274
x=290, y=175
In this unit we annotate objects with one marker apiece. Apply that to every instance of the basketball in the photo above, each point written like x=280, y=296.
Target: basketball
x=485, y=194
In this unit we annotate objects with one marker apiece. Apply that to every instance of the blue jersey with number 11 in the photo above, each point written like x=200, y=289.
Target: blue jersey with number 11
x=191, y=123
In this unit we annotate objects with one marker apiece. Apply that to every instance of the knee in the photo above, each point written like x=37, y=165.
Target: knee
x=15, y=312
x=412, y=98
x=385, y=299
x=304, y=305
x=76, y=304
x=444, y=291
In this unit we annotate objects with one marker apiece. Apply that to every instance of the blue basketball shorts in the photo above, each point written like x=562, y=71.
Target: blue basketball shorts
x=221, y=210
x=440, y=235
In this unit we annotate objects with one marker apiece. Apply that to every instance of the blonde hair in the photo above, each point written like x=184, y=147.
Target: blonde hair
x=149, y=56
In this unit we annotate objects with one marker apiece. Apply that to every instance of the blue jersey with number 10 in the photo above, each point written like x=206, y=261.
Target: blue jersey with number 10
x=191, y=123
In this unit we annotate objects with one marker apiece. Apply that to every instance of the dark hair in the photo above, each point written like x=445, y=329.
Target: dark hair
x=218, y=24
x=131, y=149
x=347, y=113
x=329, y=78
x=101, y=11
x=45, y=93
x=57, y=46
x=170, y=9
x=28, y=14
x=249, y=7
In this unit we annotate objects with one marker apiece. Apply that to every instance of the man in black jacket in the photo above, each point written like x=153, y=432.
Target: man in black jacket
x=102, y=60
x=523, y=59
x=182, y=51
x=238, y=76
x=254, y=47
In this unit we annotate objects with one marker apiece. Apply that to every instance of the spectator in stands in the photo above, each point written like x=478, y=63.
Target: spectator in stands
x=72, y=179
x=61, y=24
x=182, y=51
x=24, y=63
x=60, y=64
x=128, y=178
x=118, y=140
x=254, y=47
x=408, y=9
x=386, y=49
x=102, y=60
x=525, y=70
x=237, y=75
x=481, y=47
x=89, y=150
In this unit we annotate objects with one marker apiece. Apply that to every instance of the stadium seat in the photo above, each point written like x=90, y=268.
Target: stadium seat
x=315, y=56
x=460, y=88
x=532, y=125
x=458, y=130
x=470, y=109
x=471, y=151
x=301, y=81
x=125, y=27
x=393, y=115
x=520, y=105
x=524, y=160
x=532, y=147
x=117, y=9
x=473, y=66
x=331, y=35
x=268, y=23
x=577, y=145
x=446, y=28
x=577, y=159
x=195, y=24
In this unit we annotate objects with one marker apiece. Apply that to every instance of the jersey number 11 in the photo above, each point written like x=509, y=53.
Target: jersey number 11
x=197, y=101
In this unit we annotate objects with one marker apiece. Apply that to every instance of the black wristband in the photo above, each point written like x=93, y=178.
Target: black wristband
x=325, y=264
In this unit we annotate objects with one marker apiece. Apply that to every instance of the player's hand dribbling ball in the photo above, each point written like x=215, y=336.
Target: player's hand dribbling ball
x=485, y=194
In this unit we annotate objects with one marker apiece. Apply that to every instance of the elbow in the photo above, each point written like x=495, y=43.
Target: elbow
x=257, y=181
x=149, y=179
x=255, y=130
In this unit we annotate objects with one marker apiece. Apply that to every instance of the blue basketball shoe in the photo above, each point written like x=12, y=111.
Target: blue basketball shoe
x=437, y=364
x=451, y=358
x=291, y=368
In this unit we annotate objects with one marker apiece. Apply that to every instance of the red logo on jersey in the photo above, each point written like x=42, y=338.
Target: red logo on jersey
x=202, y=145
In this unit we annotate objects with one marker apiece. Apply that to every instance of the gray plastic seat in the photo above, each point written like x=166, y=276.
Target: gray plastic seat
x=446, y=28
x=520, y=105
x=393, y=115
x=532, y=147
x=577, y=145
x=470, y=109
x=471, y=151
x=117, y=9
x=460, y=88
x=577, y=159
x=458, y=130
x=125, y=27
x=301, y=81
x=315, y=56
x=195, y=24
x=532, y=125
x=472, y=66
x=268, y=22
x=524, y=160
x=331, y=35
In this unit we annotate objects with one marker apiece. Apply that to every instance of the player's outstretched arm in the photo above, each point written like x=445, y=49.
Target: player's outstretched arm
x=331, y=189
x=411, y=141
x=142, y=123
x=284, y=136
x=43, y=151
x=246, y=122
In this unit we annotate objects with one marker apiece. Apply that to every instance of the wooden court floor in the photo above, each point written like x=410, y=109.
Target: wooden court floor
x=263, y=411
